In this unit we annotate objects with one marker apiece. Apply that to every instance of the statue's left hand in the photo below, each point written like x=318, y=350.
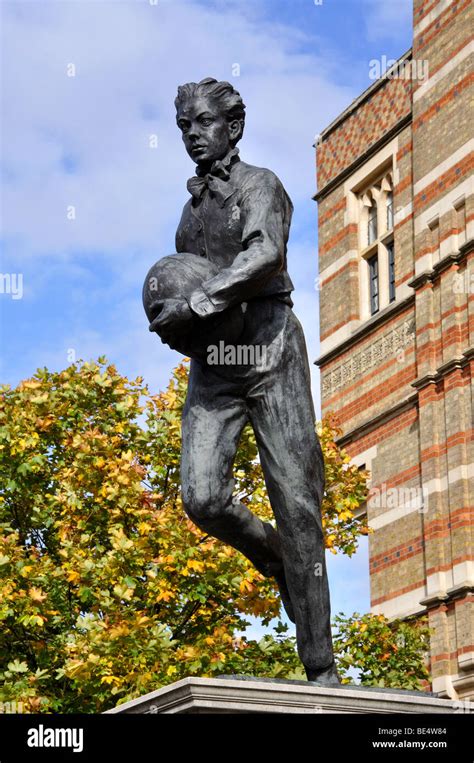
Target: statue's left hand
x=173, y=315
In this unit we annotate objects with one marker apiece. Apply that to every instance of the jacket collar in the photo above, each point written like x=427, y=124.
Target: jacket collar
x=221, y=167
x=216, y=180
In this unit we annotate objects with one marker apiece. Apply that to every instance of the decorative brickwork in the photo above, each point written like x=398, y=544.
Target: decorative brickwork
x=359, y=362
x=402, y=379
x=377, y=113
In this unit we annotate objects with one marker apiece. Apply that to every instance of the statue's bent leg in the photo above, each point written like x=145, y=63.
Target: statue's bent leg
x=282, y=414
x=213, y=418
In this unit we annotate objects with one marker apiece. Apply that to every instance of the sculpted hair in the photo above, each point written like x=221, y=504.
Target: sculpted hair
x=228, y=99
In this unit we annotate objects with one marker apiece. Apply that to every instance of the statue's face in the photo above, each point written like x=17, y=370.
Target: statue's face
x=207, y=134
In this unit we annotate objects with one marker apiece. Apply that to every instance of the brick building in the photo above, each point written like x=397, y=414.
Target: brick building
x=395, y=200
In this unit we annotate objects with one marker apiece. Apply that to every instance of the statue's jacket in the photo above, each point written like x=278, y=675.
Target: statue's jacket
x=238, y=217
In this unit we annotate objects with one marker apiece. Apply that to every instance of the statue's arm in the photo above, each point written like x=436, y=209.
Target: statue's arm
x=265, y=211
x=179, y=237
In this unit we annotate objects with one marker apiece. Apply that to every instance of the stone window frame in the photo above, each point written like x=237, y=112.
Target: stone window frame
x=379, y=192
x=381, y=162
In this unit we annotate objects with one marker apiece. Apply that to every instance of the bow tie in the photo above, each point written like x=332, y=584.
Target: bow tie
x=215, y=180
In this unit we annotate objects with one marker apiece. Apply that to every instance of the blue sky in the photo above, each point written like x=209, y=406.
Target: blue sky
x=83, y=142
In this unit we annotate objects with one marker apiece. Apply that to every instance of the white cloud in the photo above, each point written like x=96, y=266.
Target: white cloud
x=83, y=141
x=129, y=59
x=388, y=20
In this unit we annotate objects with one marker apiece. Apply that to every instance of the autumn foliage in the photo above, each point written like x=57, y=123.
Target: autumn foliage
x=107, y=590
x=383, y=652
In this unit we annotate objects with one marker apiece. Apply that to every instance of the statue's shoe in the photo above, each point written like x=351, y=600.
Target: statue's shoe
x=326, y=677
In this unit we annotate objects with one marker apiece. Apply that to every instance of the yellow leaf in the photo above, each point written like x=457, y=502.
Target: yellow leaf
x=195, y=565
x=75, y=667
x=165, y=596
x=31, y=384
x=37, y=620
x=36, y=594
x=40, y=398
x=119, y=630
x=109, y=680
x=346, y=515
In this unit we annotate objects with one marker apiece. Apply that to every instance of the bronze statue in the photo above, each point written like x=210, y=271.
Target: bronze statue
x=238, y=219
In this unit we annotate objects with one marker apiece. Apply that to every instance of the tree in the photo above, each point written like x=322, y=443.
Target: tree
x=385, y=653
x=107, y=590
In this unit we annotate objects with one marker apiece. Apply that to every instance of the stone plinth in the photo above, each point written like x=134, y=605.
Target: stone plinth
x=231, y=695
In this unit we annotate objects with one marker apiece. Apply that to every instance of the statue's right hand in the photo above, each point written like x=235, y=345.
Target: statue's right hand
x=173, y=315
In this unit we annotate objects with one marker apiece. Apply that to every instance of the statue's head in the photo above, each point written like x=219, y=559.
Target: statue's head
x=211, y=117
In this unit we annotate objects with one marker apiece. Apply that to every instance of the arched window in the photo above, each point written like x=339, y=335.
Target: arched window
x=391, y=272
x=376, y=243
x=372, y=232
x=387, y=188
x=389, y=204
x=373, y=264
